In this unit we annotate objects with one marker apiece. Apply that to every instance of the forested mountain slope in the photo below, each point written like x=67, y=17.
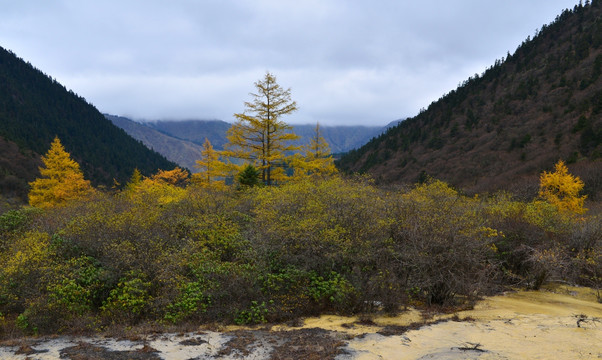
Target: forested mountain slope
x=500, y=129
x=34, y=109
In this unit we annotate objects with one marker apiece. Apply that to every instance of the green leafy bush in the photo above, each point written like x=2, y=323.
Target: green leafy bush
x=129, y=298
x=192, y=300
x=255, y=314
x=79, y=287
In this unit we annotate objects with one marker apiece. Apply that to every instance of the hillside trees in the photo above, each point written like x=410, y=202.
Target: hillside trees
x=259, y=136
x=34, y=108
x=518, y=113
x=61, y=181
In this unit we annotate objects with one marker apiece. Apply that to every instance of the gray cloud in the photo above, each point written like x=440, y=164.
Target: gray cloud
x=346, y=61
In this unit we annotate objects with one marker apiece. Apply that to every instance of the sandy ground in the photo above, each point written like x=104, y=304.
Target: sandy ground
x=563, y=323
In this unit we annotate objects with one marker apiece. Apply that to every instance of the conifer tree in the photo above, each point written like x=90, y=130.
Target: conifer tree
x=561, y=189
x=259, y=136
x=135, y=180
x=61, y=181
x=249, y=176
x=212, y=170
x=315, y=159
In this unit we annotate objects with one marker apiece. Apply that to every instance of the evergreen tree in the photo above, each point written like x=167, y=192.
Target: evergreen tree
x=259, y=136
x=61, y=181
x=249, y=176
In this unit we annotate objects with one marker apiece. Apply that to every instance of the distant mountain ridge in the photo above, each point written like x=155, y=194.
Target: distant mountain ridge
x=193, y=130
x=182, y=152
x=181, y=140
x=500, y=129
x=340, y=138
x=34, y=109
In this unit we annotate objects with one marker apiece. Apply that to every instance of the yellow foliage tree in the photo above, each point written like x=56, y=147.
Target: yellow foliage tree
x=61, y=181
x=134, y=181
x=315, y=159
x=561, y=189
x=176, y=177
x=165, y=187
x=151, y=192
x=259, y=136
x=212, y=170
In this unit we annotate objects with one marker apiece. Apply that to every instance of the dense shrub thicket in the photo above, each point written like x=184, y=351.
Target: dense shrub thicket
x=163, y=253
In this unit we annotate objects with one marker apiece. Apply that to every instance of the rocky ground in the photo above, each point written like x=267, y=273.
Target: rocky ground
x=562, y=323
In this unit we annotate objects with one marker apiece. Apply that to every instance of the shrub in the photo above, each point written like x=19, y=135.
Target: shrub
x=193, y=300
x=255, y=314
x=333, y=290
x=27, y=264
x=79, y=288
x=316, y=225
x=158, y=251
x=442, y=244
x=13, y=223
x=128, y=300
x=212, y=289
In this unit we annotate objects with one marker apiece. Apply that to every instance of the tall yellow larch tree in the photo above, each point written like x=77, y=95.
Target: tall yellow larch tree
x=61, y=180
x=212, y=171
x=315, y=159
x=259, y=137
x=561, y=189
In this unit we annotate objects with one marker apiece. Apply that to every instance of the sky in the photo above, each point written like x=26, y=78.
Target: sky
x=346, y=62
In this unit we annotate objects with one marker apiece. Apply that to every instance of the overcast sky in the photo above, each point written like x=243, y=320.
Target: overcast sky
x=347, y=62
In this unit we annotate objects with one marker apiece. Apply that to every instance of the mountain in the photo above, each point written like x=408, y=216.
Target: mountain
x=182, y=152
x=340, y=138
x=393, y=123
x=35, y=108
x=194, y=130
x=181, y=140
x=500, y=129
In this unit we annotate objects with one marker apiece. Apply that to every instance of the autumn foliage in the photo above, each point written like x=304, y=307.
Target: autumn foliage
x=315, y=159
x=561, y=189
x=260, y=136
x=61, y=180
x=212, y=171
x=167, y=252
